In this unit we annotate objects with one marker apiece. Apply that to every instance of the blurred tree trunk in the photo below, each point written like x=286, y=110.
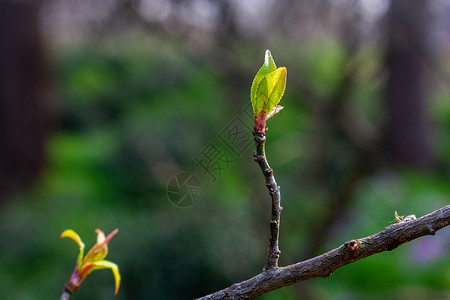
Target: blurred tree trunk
x=23, y=84
x=408, y=131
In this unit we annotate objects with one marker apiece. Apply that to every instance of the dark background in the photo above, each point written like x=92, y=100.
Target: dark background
x=102, y=103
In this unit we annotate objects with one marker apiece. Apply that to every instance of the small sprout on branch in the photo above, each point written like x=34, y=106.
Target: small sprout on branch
x=94, y=260
x=267, y=90
x=402, y=219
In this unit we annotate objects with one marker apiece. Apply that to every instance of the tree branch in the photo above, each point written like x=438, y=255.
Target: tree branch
x=65, y=295
x=324, y=265
x=273, y=253
x=68, y=291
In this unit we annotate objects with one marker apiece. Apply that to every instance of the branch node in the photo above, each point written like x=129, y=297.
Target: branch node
x=257, y=157
x=270, y=268
x=259, y=137
x=430, y=229
x=268, y=172
x=274, y=277
x=273, y=188
x=69, y=288
x=352, y=246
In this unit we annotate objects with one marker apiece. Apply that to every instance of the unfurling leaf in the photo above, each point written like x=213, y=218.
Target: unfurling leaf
x=69, y=233
x=104, y=264
x=94, y=259
x=267, y=90
x=270, y=90
x=267, y=67
x=73, y=235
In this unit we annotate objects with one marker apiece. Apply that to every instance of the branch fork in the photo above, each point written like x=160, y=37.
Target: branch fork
x=266, y=92
x=324, y=265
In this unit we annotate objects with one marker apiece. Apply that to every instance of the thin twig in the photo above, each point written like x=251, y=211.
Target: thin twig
x=324, y=265
x=68, y=290
x=65, y=295
x=273, y=253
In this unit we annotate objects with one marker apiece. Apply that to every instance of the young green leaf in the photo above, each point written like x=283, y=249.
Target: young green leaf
x=104, y=264
x=74, y=236
x=268, y=67
x=270, y=90
x=266, y=92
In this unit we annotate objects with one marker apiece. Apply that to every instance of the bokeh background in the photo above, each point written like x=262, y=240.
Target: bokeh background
x=104, y=102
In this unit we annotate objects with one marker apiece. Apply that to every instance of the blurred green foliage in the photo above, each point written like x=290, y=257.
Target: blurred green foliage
x=135, y=114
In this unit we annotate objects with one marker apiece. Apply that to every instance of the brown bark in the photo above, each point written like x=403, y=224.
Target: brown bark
x=324, y=265
x=273, y=252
